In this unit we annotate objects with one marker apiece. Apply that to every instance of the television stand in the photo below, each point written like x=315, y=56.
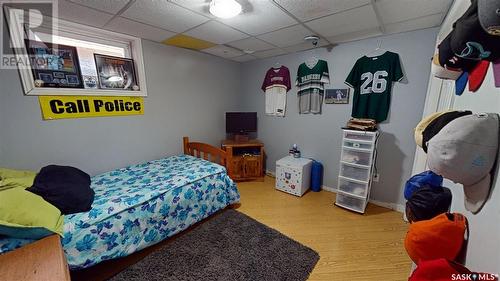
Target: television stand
x=245, y=160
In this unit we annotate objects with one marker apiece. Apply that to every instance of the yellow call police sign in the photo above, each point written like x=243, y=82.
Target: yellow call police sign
x=60, y=107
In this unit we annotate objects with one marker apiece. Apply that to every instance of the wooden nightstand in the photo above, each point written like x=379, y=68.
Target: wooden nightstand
x=43, y=260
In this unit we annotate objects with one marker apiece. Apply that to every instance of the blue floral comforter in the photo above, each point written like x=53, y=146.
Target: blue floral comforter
x=141, y=205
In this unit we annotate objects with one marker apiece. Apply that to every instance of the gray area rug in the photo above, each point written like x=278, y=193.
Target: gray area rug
x=228, y=246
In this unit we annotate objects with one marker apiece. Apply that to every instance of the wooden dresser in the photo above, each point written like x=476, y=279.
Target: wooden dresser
x=43, y=260
x=245, y=160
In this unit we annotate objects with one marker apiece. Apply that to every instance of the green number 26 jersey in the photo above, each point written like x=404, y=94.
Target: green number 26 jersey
x=371, y=78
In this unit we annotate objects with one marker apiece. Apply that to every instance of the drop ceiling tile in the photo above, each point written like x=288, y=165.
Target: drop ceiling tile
x=392, y=11
x=353, y=36
x=110, y=6
x=304, y=46
x=199, y=6
x=223, y=51
x=138, y=29
x=420, y=23
x=269, y=53
x=80, y=14
x=345, y=22
x=285, y=37
x=259, y=17
x=216, y=32
x=244, y=58
x=164, y=14
x=251, y=44
x=312, y=9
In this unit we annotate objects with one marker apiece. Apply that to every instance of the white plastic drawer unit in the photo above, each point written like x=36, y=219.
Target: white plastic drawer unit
x=359, y=135
x=351, y=203
x=356, y=173
x=356, y=167
x=353, y=187
x=355, y=156
x=364, y=145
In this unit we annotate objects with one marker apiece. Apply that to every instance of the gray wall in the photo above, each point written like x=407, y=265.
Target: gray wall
x=188, y=93
x=319, y=136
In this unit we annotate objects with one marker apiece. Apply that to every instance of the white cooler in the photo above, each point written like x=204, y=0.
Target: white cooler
x=293, y=175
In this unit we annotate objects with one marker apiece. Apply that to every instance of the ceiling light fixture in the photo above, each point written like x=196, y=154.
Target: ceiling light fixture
x=225, y=8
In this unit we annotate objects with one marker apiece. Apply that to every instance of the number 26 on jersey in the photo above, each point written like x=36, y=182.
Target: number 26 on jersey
x=374, y=82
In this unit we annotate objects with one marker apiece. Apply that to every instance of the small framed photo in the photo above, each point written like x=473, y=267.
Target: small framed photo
x=337, y=96
x=115, y=73
x=90, y=81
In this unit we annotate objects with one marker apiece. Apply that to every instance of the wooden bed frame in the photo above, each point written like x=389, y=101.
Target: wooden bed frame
x=207, y=152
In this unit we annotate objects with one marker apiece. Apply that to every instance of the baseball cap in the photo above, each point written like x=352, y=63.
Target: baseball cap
x=428, y=202
x=447, y=58
x=489, y=16
x=470, y=41
x=443, y=270
x=496, y=73
x=465, y=151
x=444, y=72
x=423, y=124
x=439, y=237
x=437, y=270
x=477, y=75
x=438, y=123
x=461, y=83
x=417, y=181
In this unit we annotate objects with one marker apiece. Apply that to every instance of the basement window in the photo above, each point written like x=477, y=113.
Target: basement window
x=67, y=58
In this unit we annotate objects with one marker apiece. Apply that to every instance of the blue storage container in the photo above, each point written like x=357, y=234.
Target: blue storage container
x=316, y=176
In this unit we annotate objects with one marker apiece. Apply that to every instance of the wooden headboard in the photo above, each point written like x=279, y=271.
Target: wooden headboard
x=205, y=151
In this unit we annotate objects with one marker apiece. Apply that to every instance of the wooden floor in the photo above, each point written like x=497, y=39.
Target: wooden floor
x=351, y=246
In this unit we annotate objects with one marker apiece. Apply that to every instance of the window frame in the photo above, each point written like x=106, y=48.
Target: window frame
x=82, y=32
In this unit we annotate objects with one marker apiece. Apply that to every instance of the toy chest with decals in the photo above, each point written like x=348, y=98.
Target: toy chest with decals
x=293, y=175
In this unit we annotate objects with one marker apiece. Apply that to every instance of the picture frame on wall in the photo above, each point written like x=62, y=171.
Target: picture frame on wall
x=115, y=73
x=54, y=65
x=337, y=96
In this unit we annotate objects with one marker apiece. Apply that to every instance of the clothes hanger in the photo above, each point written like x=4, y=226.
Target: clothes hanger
x=277, y=65
x=377, y=51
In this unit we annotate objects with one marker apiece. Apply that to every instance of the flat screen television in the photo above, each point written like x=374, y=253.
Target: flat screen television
x=241, y=122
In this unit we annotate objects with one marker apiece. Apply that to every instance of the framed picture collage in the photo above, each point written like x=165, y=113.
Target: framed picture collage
x=58, y=66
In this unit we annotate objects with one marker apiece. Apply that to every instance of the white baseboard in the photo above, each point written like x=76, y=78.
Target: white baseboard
x=393, y=206
x=329, y=189
x=270, y=173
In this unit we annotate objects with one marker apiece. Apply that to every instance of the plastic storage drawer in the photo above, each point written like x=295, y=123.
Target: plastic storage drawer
x=352, y=203
x=356, y=157
x=355, y=144
x=352, y=135
x=352, y=187
x=356, y=173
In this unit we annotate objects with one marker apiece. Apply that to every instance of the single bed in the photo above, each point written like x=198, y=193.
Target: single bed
x=141, y=205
